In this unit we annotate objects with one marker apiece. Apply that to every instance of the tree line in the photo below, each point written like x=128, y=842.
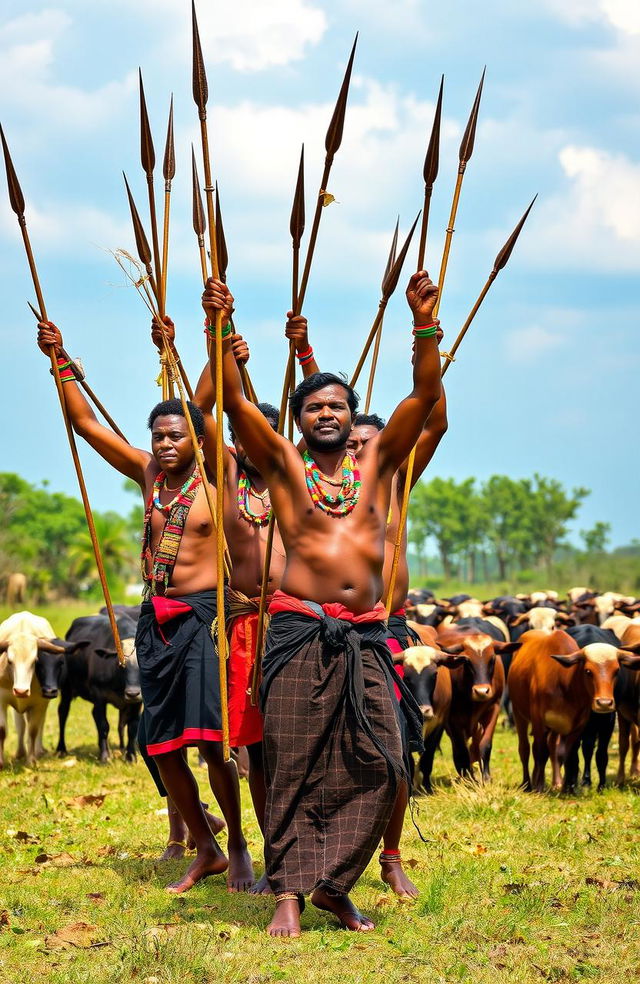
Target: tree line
x=498, y=528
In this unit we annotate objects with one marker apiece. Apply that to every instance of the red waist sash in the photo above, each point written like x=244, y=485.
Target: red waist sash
x=283, y=602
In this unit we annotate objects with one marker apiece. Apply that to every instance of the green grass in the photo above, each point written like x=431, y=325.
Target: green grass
x=513, y=887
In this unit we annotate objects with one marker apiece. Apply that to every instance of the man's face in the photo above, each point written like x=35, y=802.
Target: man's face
x=360, y=436
x=325, y=419
x=243, y=460
x=171, y=444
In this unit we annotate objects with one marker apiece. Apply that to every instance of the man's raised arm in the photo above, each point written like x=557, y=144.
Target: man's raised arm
x=265, y=448
x=131, y=462
x=296, y=330
x=403, y=429
x=432, y=433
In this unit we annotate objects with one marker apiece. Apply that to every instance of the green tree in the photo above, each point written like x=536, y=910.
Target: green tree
x=552, y=510
x=115, y=547
x=507, y=508
x=440, y=509
x=595, y=539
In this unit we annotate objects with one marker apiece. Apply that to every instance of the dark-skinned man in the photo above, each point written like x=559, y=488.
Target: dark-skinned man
x=400, y=637
x=333, y=749
x=174, y=643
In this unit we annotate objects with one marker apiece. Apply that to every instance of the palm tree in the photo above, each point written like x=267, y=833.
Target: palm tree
x=115, y=546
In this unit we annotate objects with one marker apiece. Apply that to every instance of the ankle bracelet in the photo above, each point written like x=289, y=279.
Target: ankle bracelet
x=387, y=857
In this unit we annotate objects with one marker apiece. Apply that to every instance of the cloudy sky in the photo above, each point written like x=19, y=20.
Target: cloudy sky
x=546, y=380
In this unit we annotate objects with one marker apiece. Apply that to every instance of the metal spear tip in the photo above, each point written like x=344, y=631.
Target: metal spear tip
x=432, y=158
x=199, y=220
x=221, y=242
x=142, y=244
x=391, y=280
x=16, y=197
x=147, y=152
x=200, y=87
x=504, y=254
x=297, y=220
x=466, y=147
x=169, y=163
x=35, y=311
x=333, y=138
x=392, y=253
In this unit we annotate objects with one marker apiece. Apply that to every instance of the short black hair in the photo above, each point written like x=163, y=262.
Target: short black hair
x=369, y=420
x=173, y=408
x=267, y=410
x=317, y=381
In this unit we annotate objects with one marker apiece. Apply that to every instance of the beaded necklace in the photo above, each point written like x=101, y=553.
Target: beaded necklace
x=161, y=482
x=157, y=565
x=334, y=505
x=244, y=490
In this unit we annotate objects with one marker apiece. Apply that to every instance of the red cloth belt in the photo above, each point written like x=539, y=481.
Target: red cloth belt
x=283, y=602
x=401, y=612
x=167, y=608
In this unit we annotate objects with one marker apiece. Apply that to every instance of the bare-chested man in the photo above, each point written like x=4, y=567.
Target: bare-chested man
x=333, y=749
x=176, y=653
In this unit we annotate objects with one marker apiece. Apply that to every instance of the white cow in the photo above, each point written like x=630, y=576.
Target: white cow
x=30, y=662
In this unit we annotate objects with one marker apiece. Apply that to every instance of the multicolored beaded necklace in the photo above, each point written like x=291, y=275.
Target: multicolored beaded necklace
x=245, y=489
x=157, y=566
x=334, y=505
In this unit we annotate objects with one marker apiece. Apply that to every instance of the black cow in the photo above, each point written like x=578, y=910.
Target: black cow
x=599, y=727
x=92, y=672
x=133, y=611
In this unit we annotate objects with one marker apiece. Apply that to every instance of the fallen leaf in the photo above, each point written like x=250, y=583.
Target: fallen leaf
x=97, y=897
x=4, y=919
x=412, y=862
x=78, y=934
x=62, y=860
x=162, y=931
x=327, y=198
x=382, y=900
x=70, y=763
x=105, y=852
x=480, y=849
x=25, y=838
x=88, y=799
x=514, y=888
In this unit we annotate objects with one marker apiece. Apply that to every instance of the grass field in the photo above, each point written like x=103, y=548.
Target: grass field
x=513, y=887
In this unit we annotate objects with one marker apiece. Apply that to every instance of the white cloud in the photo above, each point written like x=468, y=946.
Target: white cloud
x=531, y=343
x=623, y=15
x=594, y=221
x=74, y=227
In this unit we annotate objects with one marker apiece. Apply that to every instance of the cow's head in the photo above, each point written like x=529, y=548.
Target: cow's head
x=479, y=653
x=600, y=664
x=421, y=665
x=27, y=654
x=131, y=671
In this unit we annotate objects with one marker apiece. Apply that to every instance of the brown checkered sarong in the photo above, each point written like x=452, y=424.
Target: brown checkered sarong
x=333, y=750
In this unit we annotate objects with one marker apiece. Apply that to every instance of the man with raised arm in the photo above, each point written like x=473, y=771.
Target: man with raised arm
x=175, y=645
x=332, y=741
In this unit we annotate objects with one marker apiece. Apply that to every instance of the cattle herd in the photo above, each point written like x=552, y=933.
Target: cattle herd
x=560, y=671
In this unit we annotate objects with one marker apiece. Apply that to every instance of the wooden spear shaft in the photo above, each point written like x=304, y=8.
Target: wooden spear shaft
x=74, y=450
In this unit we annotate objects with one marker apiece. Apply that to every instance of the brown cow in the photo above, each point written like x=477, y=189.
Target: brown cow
x=477, y=685
x=554, y=686
x=627, y=695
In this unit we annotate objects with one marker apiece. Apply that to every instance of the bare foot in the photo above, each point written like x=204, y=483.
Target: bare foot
x=209, y=862
x=396, y=878
x=174, y=850
x=286, y=919
x=240, y=877
x=343, y=908
x=261, y=887
x=216, y=824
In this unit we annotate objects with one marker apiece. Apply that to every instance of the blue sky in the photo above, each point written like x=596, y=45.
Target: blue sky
x=547, y=378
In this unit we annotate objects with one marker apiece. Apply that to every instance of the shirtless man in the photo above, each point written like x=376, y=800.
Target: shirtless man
x=400, y=636
x=333, y=749
x=176, y=654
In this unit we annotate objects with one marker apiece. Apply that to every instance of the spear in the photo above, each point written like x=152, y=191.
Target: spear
x=332, y=143
x=168, y=173
x=500, y=262
x=430, y=173
x=199, y=220
x=16, y=199
x=389, y=284
x=296, y=228
x=376, y=348
x=82, y=382
x=200, y=95
x=464, y=156
x=148, y=161
x=223, y=262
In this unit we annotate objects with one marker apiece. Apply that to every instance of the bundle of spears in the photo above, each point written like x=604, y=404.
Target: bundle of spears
x=149, y=276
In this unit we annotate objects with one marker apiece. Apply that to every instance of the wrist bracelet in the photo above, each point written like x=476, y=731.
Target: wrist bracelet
x=428, y=331
x=305, y=357
x=65, y=370
x=210, y=330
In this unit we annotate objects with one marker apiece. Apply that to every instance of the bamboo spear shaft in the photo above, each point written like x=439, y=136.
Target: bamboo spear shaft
x=376, y=348
x=168, y=173
x=83, y=383
x=200, y=95
x=500, y=262
x=389, y=284
x=16, y=199
x=296, y=228
x=148, y=161
x=464, y=155
x=430, y=173
x=223, y=262
x=144, y=252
